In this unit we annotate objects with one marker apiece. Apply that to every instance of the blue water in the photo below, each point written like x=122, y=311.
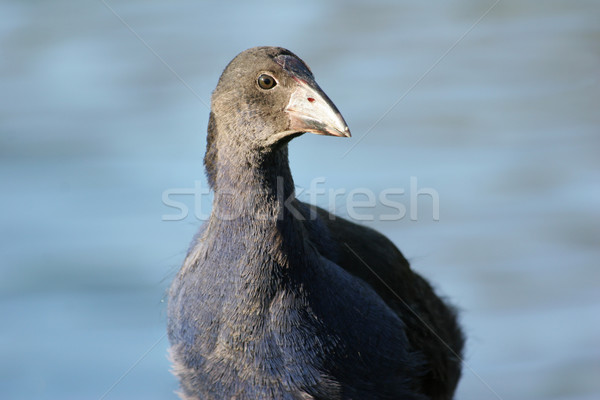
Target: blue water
x=102, y=112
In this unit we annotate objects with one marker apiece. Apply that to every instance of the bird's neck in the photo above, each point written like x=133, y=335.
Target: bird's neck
x=253, y=187
x=257, y=252
x=254, y=211
x=260, y=241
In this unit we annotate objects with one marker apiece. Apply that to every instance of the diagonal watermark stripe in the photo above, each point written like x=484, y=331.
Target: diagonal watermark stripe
x=135, y=364
x=458, y=357
x=154, y=52
x=410, y=89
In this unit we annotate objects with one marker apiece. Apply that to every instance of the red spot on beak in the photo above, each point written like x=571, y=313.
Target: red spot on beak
x=310, y=99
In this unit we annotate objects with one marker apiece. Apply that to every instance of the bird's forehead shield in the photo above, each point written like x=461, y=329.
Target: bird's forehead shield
x=294, y=67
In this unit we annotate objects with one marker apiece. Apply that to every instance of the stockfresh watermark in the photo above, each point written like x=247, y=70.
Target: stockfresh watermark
x=358, y=204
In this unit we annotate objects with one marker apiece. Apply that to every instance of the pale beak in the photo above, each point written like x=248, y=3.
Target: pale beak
x=310, y=110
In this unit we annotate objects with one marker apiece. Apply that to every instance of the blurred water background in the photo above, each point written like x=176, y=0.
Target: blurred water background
x=102, y=109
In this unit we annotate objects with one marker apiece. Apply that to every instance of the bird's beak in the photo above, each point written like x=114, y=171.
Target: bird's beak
x=310, y=110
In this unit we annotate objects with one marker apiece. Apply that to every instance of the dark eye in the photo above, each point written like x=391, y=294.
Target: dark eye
x=266, y=81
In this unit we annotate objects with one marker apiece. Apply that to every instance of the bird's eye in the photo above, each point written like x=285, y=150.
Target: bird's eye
x=266, y=81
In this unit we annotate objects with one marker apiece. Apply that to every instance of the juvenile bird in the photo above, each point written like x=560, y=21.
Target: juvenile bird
x=277, y=299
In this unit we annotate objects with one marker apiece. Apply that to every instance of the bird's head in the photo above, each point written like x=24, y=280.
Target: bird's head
x=267, y=95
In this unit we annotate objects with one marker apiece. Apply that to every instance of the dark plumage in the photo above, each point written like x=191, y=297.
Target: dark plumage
x=277, y=301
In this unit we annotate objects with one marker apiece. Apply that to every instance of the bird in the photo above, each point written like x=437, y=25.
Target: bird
x=279, y=299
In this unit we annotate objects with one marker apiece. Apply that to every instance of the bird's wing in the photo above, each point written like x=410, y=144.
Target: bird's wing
x=362, y=251
x=431, y=324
